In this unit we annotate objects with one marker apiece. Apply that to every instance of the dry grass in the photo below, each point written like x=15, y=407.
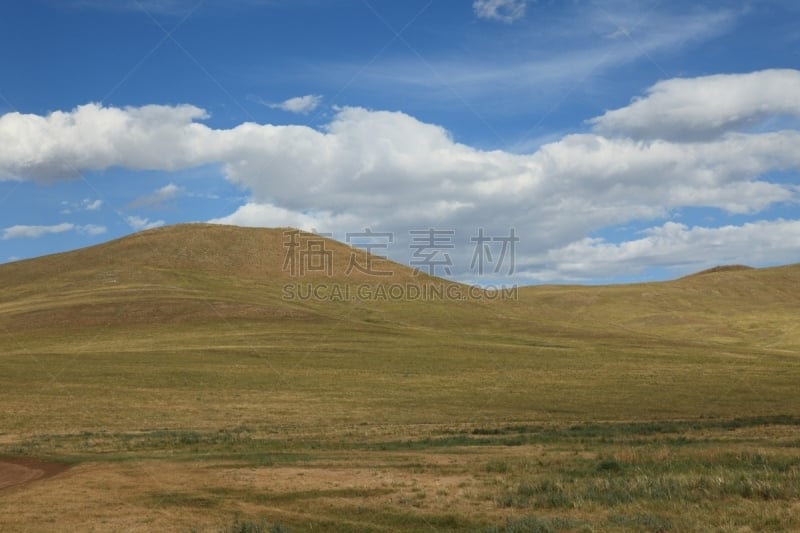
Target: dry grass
x=168, y=369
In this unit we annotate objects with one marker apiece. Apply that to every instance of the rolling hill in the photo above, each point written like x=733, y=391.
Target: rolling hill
x=174, y=366
x=219, y=292
x=200, y=272
x=186, y=273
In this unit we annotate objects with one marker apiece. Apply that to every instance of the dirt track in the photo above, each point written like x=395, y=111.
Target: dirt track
x=16, y=472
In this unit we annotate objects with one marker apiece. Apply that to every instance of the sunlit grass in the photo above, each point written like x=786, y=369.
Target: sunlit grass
x=196, y=398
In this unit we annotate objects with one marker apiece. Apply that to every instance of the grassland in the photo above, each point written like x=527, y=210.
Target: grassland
x=186, y=394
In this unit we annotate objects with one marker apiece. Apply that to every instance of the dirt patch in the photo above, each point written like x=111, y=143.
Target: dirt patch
x=19, y=471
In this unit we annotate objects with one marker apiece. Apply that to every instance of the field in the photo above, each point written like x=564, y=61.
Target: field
x=179, y=390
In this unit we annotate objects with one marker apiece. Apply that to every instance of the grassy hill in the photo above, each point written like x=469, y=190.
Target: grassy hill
x=749, y=308
x=183, y=273
x=198, y=272
x=174, y=365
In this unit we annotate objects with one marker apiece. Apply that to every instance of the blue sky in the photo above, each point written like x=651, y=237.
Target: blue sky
x=621, y=140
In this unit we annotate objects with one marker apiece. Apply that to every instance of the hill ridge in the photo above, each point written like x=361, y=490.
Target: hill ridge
x=206, y=272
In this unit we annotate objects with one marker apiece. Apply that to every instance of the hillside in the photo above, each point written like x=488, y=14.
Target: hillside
x=248, y=253
x=219, y=292
x=199, y=272
x=729, y=306
x=165, y=381
x=187, y=273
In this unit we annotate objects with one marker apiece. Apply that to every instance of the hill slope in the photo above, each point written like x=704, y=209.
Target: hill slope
x=747, y=307
x=188, y=273
x=196, y=273
x=190, y=326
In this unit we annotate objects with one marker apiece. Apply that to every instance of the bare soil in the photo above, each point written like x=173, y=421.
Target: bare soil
x=15, y=472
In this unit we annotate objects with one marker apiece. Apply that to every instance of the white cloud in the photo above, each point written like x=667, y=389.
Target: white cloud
x=678, y=246
x=92, y=229
x=85, y=205
x=141, y=223
x=267, y=215
x=299, y=104
x=391, y=171
x=619, y=32
x=92, y=205
x=706, y=107
x=158, y=197
x=34, y=232
x=92, y=137
x=546, y=60
x=503, y=10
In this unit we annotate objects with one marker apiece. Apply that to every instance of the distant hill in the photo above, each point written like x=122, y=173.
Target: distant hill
x=196, y=273
x=731, y=305
x=246, y=253
x=722, y=268
x=188, y=272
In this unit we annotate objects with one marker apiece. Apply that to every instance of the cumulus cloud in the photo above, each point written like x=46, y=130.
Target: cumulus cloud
x=690, y=248
x=141, y=223
x=261, y=215
x=93, y=137
x=159, y=197
x=92, y=205
x=392, y=172
x=86, y=204
x=92, y=229
x=506, y=11
x=299, y=104
x=706, y=107
x=34, y=232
